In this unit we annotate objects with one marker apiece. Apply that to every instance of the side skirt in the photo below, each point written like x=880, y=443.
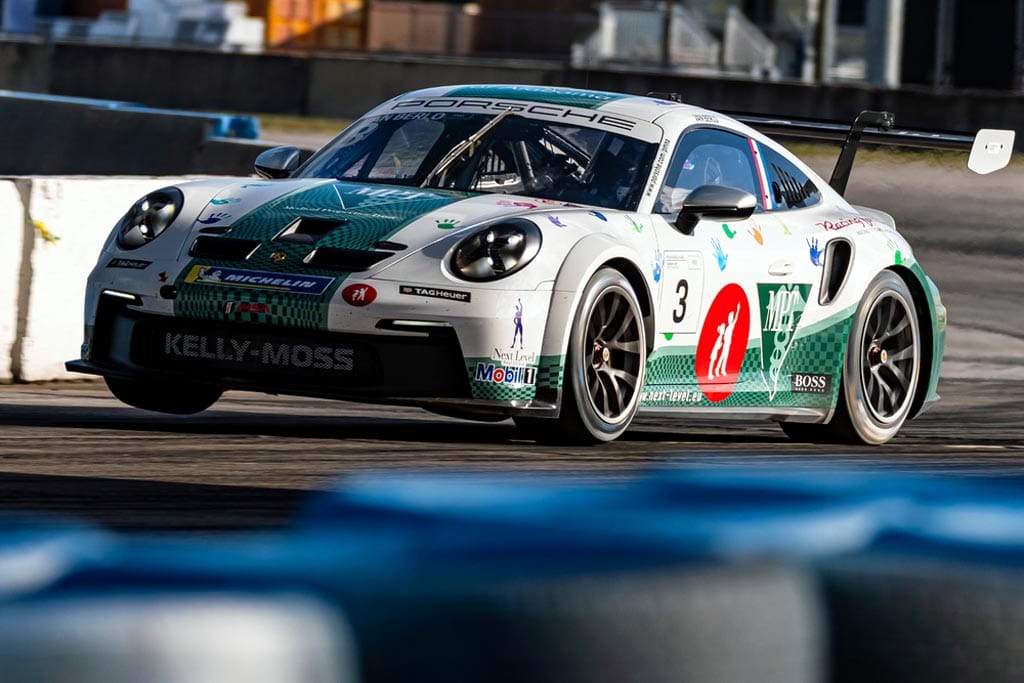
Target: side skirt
x=811, y=415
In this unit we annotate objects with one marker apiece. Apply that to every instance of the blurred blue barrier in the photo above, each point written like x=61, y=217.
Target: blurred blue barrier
x=718, y=574
x=224, y=125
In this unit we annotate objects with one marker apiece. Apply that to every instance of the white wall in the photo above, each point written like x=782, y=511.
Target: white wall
x=11, y=229
x=79, y=213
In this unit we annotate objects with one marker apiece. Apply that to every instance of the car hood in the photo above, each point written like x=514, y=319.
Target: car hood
x=386, y=221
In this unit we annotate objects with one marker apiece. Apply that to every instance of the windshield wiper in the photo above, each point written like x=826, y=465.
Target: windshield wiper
x=458, y=149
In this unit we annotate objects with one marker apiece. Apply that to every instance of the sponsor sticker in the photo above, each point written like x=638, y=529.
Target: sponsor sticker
x=845, y=222
x=359, y=295
x=514, y=375
x=130, y=264
x=246, y=307
x=807, y=383
x=254, y=279
x=514, y=357
x=251, y=351
x=782, y=307
x=435, y=293
x=723, y=343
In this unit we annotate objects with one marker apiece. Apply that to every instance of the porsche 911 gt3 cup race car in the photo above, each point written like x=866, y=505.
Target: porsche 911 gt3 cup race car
x=563, y=257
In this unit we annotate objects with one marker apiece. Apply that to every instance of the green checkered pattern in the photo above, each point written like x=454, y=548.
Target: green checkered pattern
x=549, y=374
x=567, y=97
x=550, y=371
x=818, y=350
x=369, y=219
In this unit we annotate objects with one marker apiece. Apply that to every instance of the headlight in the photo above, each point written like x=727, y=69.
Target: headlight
x=149, y=217
x=497, y=251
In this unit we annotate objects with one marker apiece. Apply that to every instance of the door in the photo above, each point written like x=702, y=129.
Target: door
x=709, y=311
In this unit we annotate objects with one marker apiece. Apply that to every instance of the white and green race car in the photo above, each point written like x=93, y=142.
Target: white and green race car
x=566, y=258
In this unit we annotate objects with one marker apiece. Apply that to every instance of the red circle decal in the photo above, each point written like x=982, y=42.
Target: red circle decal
x=499, y=375
x=359, y=295
x=723, y=343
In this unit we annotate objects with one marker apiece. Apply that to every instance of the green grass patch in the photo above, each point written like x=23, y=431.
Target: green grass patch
x=873, y=154
x=302, y=124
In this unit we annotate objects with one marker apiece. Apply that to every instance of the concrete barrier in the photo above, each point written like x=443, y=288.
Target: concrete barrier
x=348, y=84
x=86, y=139
x=69, y=219
x=11, y=230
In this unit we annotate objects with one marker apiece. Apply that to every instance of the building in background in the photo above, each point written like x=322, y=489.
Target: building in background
x=937, y=43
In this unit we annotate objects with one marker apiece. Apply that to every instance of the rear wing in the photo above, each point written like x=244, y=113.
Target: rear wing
x=990, y=149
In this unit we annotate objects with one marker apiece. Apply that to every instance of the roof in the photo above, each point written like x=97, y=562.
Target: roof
x=637, y=106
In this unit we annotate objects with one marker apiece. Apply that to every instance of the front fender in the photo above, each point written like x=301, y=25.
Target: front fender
x=585, y=258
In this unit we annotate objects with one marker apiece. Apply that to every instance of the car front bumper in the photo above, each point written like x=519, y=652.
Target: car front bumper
x=424, y=367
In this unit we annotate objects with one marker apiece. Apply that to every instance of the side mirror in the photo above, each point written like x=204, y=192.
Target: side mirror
x=279, y=162
x=714, y=201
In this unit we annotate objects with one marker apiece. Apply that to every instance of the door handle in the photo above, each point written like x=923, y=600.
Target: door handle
x=781, y=268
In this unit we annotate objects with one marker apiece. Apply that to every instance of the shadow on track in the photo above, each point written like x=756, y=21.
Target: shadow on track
x=136, y=504
x=342, y=428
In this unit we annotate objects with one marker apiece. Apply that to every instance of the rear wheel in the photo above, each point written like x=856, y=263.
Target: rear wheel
x=164, y=397
x=605, y=365
x=880, y=376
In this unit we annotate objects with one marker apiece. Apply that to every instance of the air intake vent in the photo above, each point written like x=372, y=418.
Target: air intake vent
x=308, y=230
x=838, y=257
x=349, y=260
x=223, y=248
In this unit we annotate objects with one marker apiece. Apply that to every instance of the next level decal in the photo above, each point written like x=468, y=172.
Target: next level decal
x=782, y=306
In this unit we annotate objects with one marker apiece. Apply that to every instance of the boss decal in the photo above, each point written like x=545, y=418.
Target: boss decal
x=435, y=293
x=130, y=264
x=782, y=307
x=296, y=284
x=723, y=343
x=807, y=383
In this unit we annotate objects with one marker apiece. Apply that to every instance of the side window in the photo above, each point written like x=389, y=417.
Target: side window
x=708, y=156
x=788, y=186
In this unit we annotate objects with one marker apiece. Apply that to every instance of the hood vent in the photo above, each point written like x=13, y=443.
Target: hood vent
x=308, y=230
x=348, y=260
x=223, y=248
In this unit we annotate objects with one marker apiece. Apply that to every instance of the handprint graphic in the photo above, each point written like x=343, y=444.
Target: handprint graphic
x=756, y=233
x=815, y=251
x=214, y=218
x=722, y=257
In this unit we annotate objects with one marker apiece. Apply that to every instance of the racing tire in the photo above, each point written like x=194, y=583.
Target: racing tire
x=880, y=374
x=700, y=623
x=605, y=365
x=163, y=397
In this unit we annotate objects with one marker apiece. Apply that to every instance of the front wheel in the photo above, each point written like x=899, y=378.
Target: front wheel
x=605, y=365
x=880, y=376
x=164, y=397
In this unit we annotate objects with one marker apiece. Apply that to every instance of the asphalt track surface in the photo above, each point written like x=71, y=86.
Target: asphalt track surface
x=250, y=462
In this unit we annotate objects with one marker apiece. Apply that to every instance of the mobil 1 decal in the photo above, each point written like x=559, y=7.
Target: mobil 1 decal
x=681, y=274
x=782, y=307
x=723, y=343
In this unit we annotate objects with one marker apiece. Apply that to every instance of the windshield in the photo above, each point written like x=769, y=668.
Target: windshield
x=519, y=155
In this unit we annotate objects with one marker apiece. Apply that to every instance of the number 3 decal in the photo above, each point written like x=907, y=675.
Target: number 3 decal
x=679, y=314
x=682, y=288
